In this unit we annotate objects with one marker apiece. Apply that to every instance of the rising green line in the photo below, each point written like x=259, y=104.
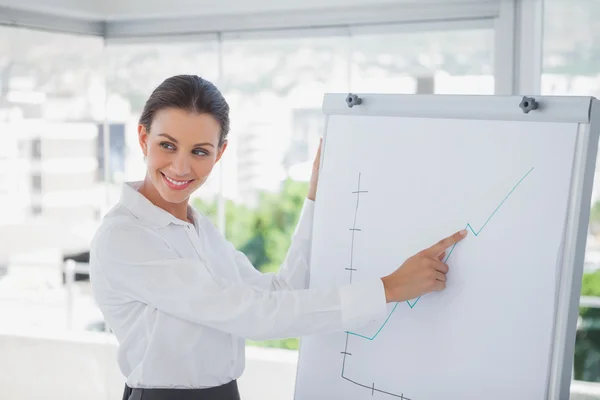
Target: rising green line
x=476, y=233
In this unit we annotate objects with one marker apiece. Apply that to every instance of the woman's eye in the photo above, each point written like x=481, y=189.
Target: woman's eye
x=199, y=152
x=167, y=146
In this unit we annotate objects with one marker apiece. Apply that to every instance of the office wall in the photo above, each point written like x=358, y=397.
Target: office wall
x=84, y=367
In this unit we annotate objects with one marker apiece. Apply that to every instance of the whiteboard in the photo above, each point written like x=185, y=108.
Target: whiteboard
x=392, y=185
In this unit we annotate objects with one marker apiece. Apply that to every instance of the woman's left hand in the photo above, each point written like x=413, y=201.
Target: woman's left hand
x=314, y=178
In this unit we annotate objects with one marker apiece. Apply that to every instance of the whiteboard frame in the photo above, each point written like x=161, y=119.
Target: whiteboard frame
x=573, y=254
x=583, y=110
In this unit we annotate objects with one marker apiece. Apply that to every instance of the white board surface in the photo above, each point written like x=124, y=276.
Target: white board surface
x=390, y=187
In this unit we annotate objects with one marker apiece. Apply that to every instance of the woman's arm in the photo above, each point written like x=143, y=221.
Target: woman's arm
x=133, y=263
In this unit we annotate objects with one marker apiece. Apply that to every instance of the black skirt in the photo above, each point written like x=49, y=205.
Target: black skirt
x=229, y=391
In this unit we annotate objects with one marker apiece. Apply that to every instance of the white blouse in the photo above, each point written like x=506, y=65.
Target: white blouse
x=181, y=299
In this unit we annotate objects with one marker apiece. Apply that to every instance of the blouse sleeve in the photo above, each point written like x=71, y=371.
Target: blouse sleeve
x=134, y=263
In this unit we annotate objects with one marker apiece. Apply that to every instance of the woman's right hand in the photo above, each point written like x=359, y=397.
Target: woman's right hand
x=422, y=273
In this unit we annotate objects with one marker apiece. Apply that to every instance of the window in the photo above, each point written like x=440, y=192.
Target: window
x=50, y=98
x=441, y=62
x=571, y=57
x=275, y=90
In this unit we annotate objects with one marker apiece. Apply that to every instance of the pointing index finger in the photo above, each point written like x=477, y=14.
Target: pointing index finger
x=444, y=244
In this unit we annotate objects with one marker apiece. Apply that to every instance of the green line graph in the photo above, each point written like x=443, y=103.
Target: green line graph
x=469, y=227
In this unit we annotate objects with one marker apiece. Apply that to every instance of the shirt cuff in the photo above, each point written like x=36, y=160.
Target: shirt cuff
x=305, y=222
x=363, y=303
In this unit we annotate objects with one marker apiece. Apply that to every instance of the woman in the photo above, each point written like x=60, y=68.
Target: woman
x=180, y=298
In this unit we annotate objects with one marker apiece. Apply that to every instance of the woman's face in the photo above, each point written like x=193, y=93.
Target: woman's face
x=181, y=149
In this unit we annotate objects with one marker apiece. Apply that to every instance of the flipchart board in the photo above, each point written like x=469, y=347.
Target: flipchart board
x=400, y=172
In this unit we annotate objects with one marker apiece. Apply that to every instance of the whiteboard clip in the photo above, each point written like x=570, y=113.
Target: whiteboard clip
x=528, y=104
x=352, y=100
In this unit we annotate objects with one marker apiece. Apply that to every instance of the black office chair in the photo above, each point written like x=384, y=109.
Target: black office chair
x=82, y=257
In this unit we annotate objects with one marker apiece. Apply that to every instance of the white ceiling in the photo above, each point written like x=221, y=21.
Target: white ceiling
x=141, y=9
x=119, y=9
x=154, y=8
x=87, y=9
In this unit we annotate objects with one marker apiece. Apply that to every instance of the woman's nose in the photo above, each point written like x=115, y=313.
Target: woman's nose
x=181, y=166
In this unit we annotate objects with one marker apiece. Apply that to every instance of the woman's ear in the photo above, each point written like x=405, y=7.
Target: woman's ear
x=143, y=139
x=221, y=150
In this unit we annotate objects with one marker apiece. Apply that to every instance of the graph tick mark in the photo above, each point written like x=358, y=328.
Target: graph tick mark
x=371, y=387
x=469, y=227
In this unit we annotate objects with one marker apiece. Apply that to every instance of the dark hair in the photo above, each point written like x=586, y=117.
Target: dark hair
x=191, y=93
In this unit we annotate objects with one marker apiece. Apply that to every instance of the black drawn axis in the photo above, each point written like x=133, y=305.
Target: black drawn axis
x=372, y=387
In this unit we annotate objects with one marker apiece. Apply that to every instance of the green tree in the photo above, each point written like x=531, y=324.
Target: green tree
x=264, y=233
x=239, y=219
x=587, y=345
x=276, y=219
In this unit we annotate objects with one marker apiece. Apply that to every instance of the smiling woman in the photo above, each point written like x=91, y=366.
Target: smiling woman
x=182, y=140
x=180, y=298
